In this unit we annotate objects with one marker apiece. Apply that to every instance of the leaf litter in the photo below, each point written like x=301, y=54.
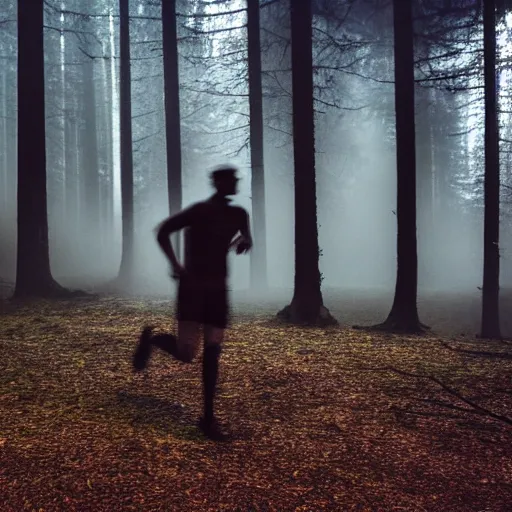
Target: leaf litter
x=322, y=419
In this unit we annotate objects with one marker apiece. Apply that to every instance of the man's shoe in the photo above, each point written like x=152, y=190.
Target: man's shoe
x=212, y=430
x=143, y=350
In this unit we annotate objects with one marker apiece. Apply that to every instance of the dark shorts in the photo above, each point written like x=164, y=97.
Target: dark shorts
x=204, y=301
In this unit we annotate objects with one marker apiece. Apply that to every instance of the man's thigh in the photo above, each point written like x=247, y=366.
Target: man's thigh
x=189, y=339
x=216, y=312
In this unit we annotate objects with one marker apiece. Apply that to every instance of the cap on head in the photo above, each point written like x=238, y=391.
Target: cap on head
x=224, y=172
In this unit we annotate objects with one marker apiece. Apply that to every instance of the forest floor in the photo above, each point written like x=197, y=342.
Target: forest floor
x=322, y=419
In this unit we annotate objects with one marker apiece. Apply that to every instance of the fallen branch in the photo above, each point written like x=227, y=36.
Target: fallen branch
x=451, y=391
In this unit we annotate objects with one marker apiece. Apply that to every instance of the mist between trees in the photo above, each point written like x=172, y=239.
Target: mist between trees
x=355, y=143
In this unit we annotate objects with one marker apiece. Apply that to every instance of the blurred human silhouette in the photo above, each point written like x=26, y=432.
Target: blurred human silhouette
x=212, y=227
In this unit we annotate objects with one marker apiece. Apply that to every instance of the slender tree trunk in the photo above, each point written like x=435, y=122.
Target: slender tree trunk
x=107, y=195
x=8, y=157
x=10, y=154
x=403, y=316
x=91, y=191
x=425, y=160
x=71, y=151
x=434, y=182
x=80, y=242
x=63, y=107
x=259, y=251
x=425, y=181
x=4, y=207
x=172, y=109
x=404, y=313
x=491, y=279
x=33, y=275
x=115, y=134
x=126, y=270
x=69, y=164
x=307, y=304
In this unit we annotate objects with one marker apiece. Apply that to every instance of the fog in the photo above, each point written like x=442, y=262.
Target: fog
x=356, y=178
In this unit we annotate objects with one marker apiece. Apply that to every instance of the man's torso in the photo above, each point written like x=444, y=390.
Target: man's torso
x=214, y=224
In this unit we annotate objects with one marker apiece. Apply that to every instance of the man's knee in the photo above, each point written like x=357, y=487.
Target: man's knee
x=213, y=336
x=188, y=341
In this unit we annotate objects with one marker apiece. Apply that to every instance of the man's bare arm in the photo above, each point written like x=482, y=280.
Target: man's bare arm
x=166, y=229
x=164, y=241
x=246, y=243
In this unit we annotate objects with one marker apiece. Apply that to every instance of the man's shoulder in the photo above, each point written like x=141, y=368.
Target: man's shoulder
x=196, y=207
x=211, y=202
x=238, y=209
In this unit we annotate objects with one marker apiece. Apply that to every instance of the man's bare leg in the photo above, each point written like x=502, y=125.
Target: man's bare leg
x=189, y=339
x=213, y=337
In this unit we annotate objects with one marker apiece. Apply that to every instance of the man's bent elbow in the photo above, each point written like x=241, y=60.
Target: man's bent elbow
x=162, y=237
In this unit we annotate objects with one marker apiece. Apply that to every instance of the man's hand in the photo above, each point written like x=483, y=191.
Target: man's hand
x=241, y=244
x=245, y=240
x=177, y=271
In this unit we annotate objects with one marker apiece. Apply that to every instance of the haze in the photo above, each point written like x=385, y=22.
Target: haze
x=356, y=172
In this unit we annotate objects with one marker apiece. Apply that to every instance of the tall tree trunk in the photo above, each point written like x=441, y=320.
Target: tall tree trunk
x=491, y=280
x=107, y=192
x=404, y=313
x=259, y=252
x=91, y=190
x=126, y=270
x=9, y=152
x=307, y=304
x=63, y=108
x=4, y=206
x=72, y=160
x=403, y=316
x=81, y=243
x=172, y=109
x=425, y=192
x=33, y=275
x=115, y=133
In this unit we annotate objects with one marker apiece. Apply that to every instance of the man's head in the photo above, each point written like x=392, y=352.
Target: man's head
x=225, y=180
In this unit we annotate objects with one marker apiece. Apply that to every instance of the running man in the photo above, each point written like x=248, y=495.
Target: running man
x=210, y=230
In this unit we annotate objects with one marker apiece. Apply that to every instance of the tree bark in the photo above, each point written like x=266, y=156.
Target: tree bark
x=424, y=171
x=71, y=155
x=172, y=110
x=63, y=107
x=307, y=303
x=424, y=185
x=106, y=191
x=404, y=313
x=9, y=153
x=91, y=189
x=126, y=270
x=259, y=251
x=403, y=316
x=491, y=279
x=5, y=206
x=33, y=274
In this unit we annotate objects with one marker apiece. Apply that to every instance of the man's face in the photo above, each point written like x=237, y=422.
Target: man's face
x=228, y=186
x=233, y=186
